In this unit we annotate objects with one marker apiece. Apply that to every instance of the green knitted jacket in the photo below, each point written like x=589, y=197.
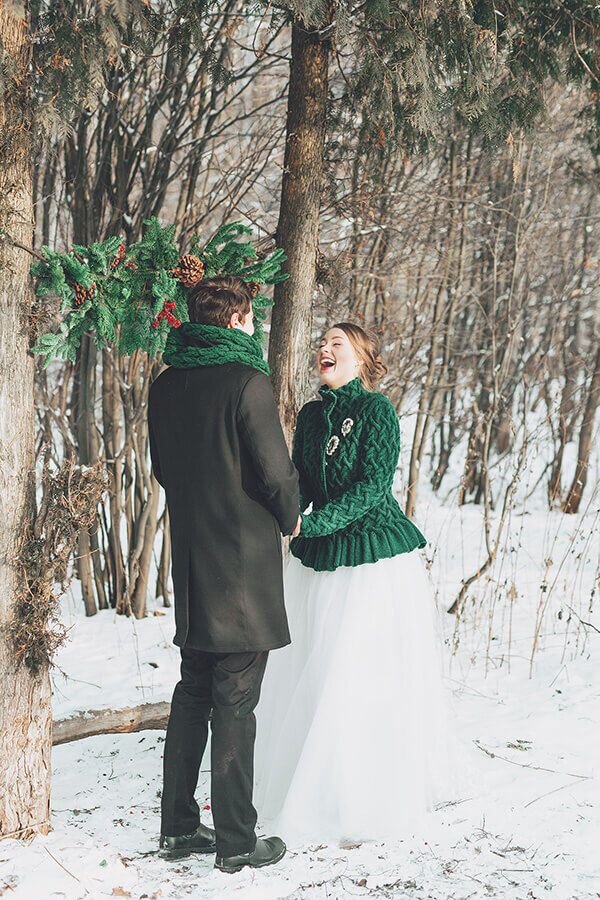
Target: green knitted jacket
x=346, y=449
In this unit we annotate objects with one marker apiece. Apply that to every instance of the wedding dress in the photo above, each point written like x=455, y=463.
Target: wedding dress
x=351, y=737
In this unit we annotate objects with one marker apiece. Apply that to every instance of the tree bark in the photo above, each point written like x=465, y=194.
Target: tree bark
x=298, y=227
x=148, y=716
x=25, y=717
x=571, y=504
x=84, y=395
x=112, y=432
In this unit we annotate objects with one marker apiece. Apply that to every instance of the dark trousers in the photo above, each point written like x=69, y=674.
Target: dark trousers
x=229, y=685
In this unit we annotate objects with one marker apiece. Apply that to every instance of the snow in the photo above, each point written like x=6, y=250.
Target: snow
x=521, y=672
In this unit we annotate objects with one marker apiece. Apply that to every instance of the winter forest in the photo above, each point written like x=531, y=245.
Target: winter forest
x=428, y=171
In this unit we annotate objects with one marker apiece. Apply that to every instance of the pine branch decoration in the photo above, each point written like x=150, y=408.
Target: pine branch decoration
x=130, y=297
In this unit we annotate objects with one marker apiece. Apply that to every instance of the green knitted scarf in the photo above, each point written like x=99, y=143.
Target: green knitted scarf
x=211, y=345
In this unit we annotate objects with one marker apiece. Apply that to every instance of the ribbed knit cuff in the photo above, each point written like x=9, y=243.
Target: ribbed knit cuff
x=307, y=525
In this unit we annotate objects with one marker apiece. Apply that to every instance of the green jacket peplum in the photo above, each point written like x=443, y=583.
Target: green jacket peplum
x=346, y=448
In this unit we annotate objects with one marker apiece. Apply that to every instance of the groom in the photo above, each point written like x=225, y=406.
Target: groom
x=218, y=450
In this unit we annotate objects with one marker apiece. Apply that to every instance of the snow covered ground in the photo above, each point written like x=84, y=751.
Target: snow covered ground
x=522, y=679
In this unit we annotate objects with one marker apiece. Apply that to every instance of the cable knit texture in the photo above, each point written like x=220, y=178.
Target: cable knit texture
x=194, y=344
x=346, y=449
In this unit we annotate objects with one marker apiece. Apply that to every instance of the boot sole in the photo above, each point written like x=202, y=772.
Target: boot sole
x=182, y=854
x=231, y=870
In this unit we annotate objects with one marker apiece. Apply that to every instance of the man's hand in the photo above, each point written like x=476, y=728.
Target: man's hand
x=296, y=530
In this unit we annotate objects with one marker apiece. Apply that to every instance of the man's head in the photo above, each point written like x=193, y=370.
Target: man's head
x=224, y=301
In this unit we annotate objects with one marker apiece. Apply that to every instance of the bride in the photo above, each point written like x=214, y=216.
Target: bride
x=350, y=738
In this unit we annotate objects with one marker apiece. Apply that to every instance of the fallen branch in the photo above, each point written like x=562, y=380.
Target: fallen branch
x=514, y=762
x=148, y=716
x=561, y=788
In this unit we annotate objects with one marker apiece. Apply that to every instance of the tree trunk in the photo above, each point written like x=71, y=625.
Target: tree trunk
x=571, y=356
x=25, y=718
x=112, y=432
x=84, y=396
x=571, y=504
x=298, y=227
x=567, y=405
x=140, y=593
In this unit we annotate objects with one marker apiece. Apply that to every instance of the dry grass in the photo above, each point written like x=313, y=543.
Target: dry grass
x=70, y=498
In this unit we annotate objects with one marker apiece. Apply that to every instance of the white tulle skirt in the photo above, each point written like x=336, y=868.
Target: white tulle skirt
x=351, y=740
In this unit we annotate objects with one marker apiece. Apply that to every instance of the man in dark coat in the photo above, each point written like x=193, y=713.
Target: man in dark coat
x=218, y=450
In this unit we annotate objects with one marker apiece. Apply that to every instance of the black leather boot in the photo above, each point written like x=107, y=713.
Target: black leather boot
x=267, y=852
x=202, y=840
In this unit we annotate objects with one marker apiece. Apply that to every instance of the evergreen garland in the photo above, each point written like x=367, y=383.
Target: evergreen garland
x=130, y=297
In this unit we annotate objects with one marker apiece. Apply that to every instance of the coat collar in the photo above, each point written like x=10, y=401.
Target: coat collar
x=347, y=391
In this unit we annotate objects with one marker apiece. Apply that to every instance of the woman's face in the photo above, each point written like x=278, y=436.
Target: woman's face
x=336, y=359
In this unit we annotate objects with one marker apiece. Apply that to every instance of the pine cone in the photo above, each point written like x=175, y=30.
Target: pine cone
x=82, y=293
x=189, y=271
x=254, y=287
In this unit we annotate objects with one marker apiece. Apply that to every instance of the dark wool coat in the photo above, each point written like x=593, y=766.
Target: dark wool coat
x=218, y=450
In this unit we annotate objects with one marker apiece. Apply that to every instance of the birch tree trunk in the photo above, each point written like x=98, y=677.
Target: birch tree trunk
x=25, y=717
x=298, y=227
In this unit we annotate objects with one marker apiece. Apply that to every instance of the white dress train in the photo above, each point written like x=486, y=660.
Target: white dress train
x=351, y=722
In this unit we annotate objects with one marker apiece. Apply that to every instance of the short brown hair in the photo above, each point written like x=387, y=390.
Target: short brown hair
x=215, y=300
x=366, y=347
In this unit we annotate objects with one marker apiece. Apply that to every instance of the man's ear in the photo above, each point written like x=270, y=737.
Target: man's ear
x=234, y=320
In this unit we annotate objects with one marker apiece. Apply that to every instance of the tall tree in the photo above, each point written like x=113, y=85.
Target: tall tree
x=298, y=226
x=25, y=721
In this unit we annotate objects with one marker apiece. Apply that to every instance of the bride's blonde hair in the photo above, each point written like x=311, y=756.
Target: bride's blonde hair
x=366, y=347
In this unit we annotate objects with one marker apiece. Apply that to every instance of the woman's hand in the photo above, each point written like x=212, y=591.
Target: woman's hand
x=296, y=530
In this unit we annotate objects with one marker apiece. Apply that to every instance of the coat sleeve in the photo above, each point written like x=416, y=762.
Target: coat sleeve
x=306, y=497
x=261, y=432
x=378, y=459
x=154, y=457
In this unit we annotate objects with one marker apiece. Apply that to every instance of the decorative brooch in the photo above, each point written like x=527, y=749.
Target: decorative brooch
x=332, y=445
x=334, y=442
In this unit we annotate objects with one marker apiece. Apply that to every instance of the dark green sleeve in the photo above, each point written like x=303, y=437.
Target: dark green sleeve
x=297, y=458
x=378, y=457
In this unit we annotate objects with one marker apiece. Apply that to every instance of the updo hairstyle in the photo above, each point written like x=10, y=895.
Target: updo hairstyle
x=366, y=347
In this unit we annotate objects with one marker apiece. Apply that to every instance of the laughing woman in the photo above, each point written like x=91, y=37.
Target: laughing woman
x=351, y=734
